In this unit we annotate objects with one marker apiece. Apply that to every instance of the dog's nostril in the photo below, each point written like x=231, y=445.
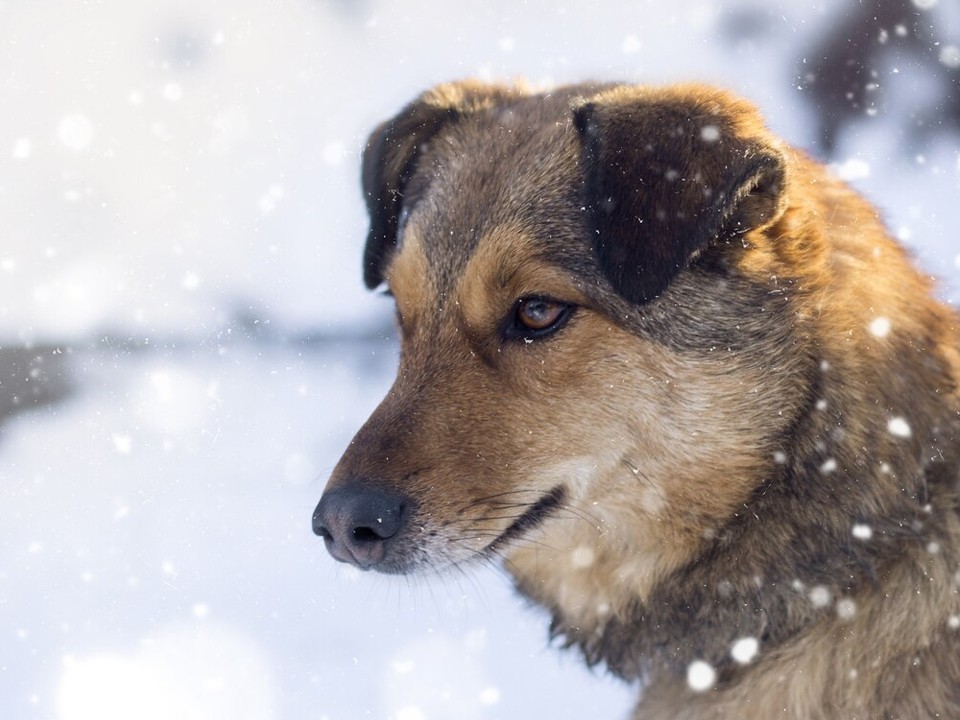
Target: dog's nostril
x=365, y=534
x=381, y=528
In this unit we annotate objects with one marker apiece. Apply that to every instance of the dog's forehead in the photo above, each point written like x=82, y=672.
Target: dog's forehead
x=512, y=166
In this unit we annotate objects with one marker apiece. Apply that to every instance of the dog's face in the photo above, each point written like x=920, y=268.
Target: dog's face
x=587, y=316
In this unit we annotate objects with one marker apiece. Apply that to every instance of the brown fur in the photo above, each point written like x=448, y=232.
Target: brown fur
x=684, y=461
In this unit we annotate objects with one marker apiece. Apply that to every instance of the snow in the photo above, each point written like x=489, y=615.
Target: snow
x=862, y=532
x=950, y=56
x=710, y=133
x=851, y=169
x=75, y=132
x=701, y=676
x=745, y=650
x=846, y=609
x=879, y=327
x=582, y=557
x=182, y=220
x=819, y=596
x=899, y=427
x=193, y=671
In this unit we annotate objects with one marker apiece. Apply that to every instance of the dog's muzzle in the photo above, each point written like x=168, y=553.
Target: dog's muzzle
x=357, y=523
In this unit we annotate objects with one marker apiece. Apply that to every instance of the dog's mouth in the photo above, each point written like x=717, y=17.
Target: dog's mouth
x=530, y=519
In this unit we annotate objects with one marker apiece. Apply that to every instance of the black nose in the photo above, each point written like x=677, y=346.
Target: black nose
x=357, y=522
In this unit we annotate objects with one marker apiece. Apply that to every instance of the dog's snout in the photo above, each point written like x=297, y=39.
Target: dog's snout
x=357, y=523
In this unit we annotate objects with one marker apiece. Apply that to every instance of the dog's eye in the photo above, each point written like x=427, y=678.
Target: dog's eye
x=535, y=317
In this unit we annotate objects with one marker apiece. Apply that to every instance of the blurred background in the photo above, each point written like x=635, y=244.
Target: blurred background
x=186, y=347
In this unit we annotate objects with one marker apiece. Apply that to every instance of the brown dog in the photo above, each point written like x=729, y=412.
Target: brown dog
x=682, y=381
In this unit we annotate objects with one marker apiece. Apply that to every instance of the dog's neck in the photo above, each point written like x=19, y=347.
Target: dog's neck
x=777, y=572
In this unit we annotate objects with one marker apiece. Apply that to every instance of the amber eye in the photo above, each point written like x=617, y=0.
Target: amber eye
x=535, y=317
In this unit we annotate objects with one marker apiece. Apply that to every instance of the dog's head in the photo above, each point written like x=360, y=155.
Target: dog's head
x=583, y=283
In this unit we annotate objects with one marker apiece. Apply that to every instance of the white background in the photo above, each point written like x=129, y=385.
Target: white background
x=181, y=235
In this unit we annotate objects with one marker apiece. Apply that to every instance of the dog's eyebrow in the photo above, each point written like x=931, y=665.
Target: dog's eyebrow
x=506, y=272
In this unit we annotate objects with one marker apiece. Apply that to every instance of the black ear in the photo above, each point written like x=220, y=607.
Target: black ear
x=389, y=159
x=665, y=176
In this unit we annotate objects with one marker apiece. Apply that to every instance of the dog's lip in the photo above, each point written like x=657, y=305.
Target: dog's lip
x=535, y=514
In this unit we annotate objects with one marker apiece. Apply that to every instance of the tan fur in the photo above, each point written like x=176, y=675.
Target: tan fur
x=702, y=455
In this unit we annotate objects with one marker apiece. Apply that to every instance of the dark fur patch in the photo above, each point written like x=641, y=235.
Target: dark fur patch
x=654, y=205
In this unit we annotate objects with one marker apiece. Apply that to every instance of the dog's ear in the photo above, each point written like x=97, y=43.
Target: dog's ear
x=391, y=153
x=665, y=175
x=389, y=159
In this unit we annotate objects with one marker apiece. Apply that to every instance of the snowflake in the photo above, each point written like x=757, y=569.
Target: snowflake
x=75, y=132
x=22, y=149
x=819, y=596
x=581, y=557
x=846, y=609
x=950, y=56
x=701, y=676
x=745, y=650
x=879, y=327
x=898, y=427
x=710, y=133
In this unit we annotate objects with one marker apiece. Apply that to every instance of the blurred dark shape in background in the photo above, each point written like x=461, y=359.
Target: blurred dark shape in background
x=846, y=74
x=30, y=378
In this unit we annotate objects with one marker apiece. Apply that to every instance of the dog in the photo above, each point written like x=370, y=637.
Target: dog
x=680, y=379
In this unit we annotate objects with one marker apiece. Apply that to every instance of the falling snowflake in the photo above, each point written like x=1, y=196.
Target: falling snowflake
x=489, y=696
x=631, y=45
x=270, y=199
x=862, y=532
x=582, y=557
x=122, y=443
x=745, y=650
x=846, y=609
x=22, y=149
x=819, y=596
x=75, y=132
x=879, y=327
x=335, y=153
x=899, y=427
x=852, y=169
x=701, y=676
x=201, y=610
x=172, y=92
x=710, y=133
x=950, y=56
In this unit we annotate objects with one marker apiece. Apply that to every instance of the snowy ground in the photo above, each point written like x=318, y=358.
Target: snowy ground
x=156, y=558
x=182, y=230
